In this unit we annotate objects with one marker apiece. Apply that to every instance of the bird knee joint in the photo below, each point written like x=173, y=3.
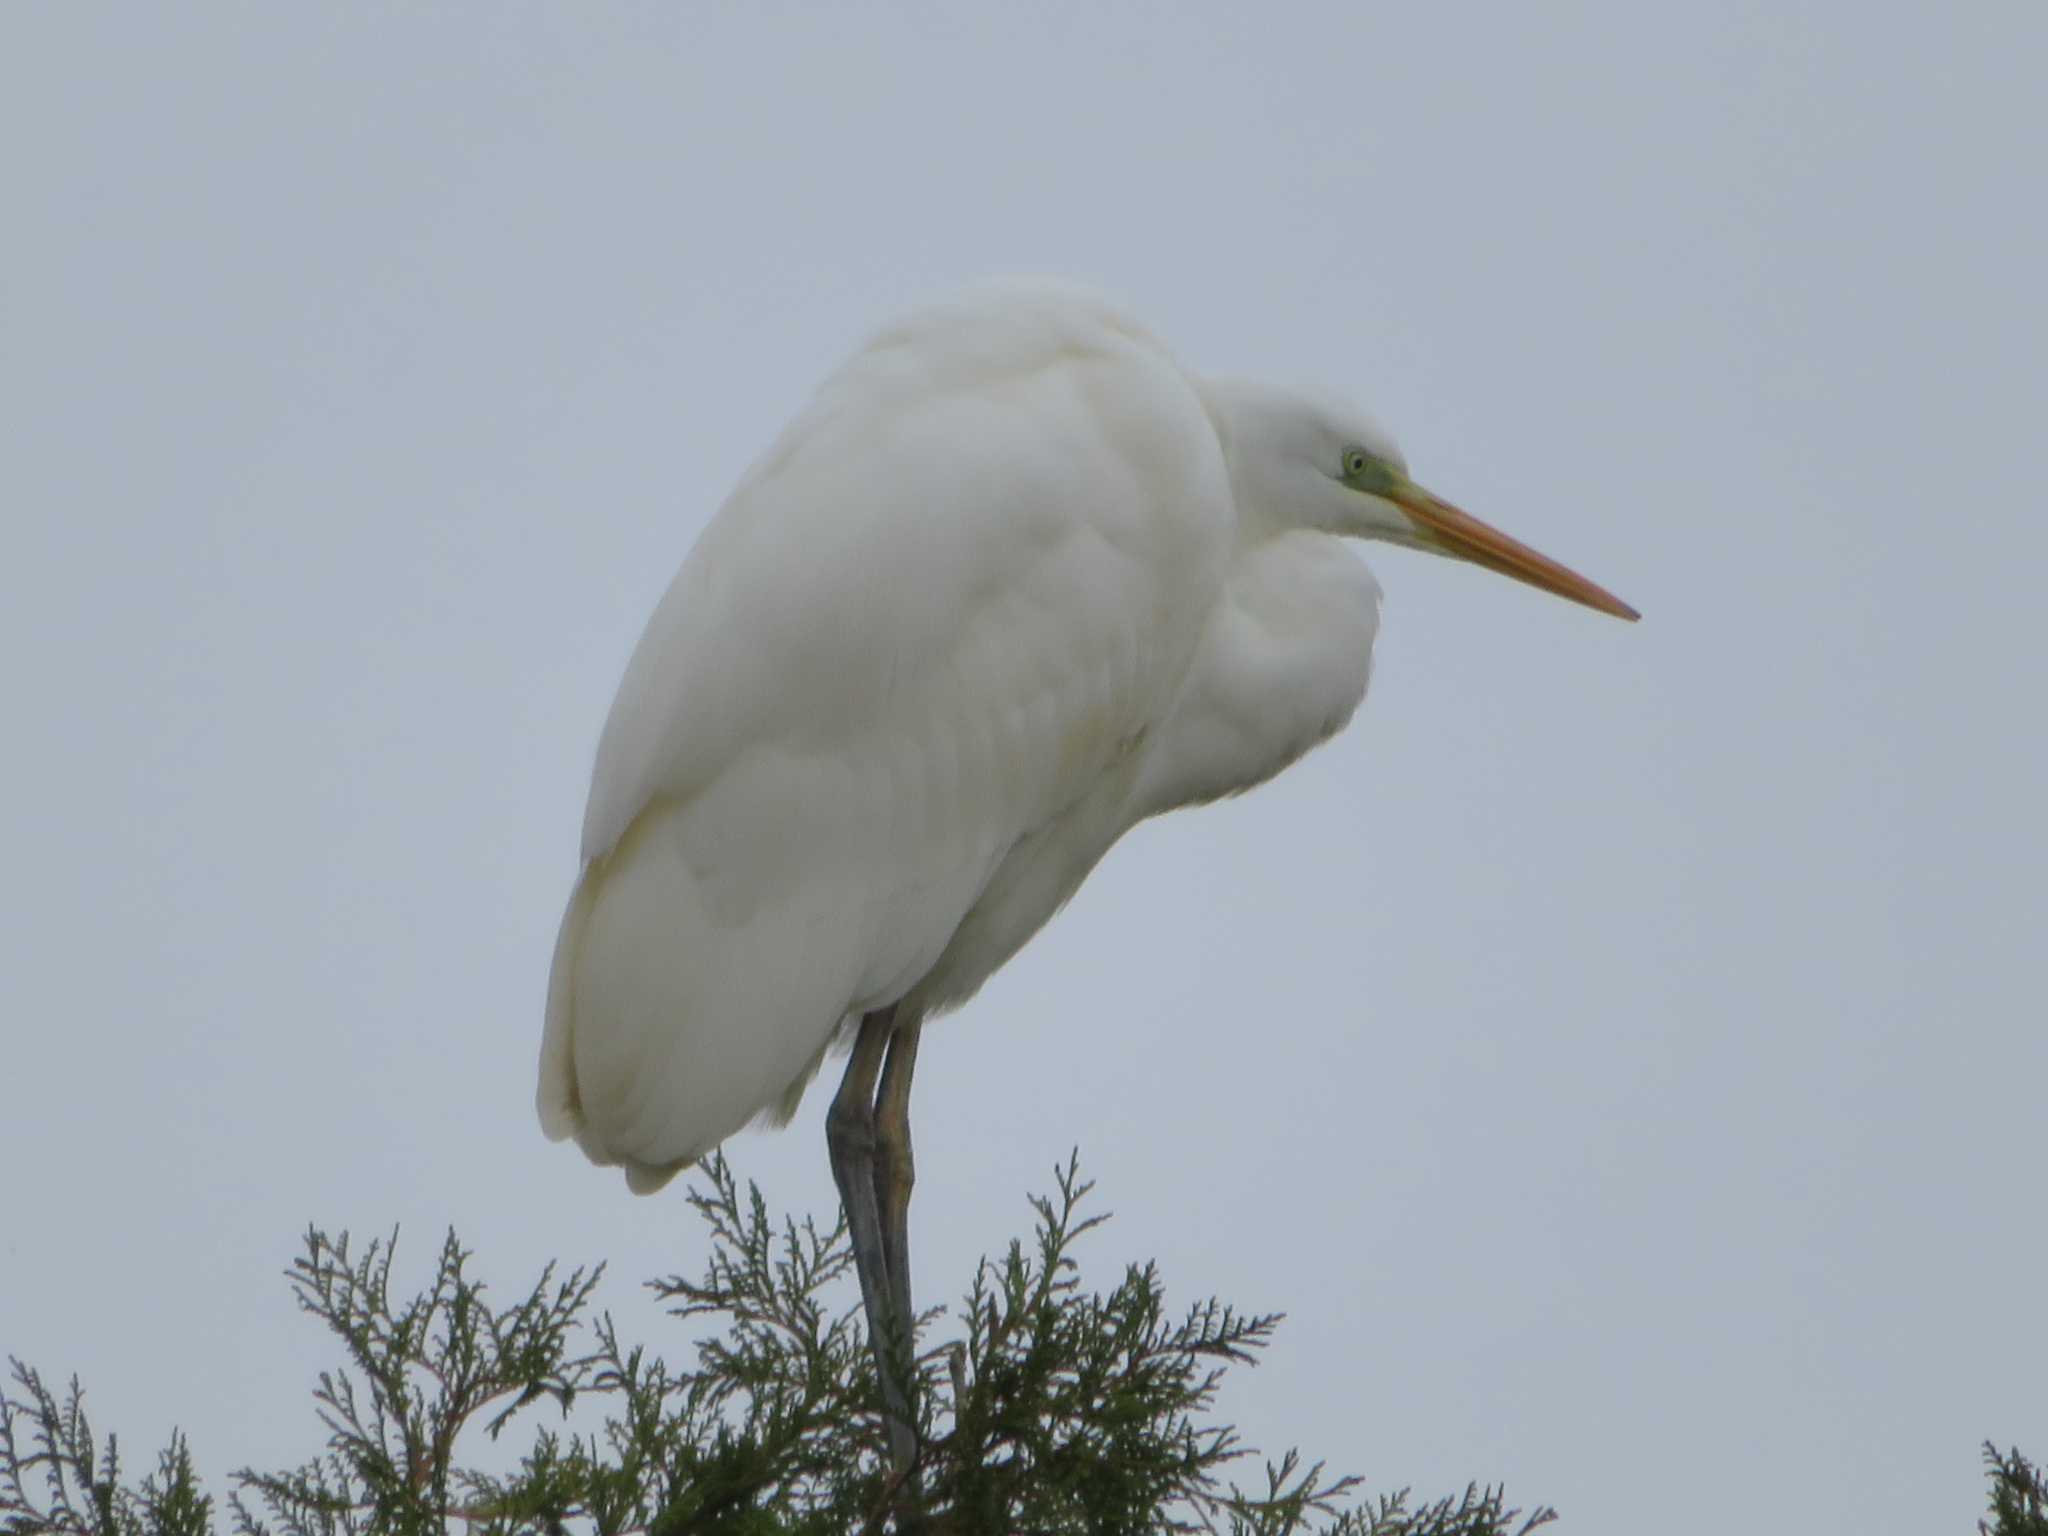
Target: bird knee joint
x=895, y=1155
x=849, y=1128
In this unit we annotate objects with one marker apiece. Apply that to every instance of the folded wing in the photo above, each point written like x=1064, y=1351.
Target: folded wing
x=948, y=597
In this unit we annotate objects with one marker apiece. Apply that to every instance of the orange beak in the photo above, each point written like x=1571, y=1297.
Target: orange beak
x=1460, y=534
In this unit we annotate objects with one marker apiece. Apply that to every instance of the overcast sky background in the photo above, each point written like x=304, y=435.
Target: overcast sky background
x=1621, y=1053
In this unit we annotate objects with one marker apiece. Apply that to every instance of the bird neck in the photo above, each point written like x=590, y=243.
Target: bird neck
x=1283, y=664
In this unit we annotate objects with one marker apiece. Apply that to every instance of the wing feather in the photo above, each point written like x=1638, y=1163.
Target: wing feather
x=937, y=609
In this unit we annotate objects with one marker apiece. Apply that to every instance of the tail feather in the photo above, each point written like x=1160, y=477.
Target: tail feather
x=675, y=1017
x=561, y=1115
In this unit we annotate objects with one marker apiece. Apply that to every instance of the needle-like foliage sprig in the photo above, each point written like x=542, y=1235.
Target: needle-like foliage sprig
x=1050, y=1407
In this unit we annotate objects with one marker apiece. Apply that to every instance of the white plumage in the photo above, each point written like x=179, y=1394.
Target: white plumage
x=1013, y=582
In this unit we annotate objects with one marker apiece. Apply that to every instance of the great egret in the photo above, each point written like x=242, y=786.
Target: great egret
x=1012, y=583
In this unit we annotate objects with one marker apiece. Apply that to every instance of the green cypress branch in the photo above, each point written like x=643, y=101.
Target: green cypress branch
x=1050, y=1407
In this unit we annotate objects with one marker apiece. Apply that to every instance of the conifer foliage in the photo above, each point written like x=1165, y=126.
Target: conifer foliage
x=2019, y=1495
x=1049, y=1408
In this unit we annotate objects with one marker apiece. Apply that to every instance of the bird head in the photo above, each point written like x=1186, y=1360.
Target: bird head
x=1302, y=463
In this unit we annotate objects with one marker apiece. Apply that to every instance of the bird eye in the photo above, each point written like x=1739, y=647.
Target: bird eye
x=1356, y=461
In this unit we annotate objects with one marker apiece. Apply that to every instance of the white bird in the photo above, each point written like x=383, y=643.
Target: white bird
x=1014, y=581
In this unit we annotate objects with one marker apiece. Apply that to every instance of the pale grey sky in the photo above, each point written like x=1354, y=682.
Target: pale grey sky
x=1620, y=1054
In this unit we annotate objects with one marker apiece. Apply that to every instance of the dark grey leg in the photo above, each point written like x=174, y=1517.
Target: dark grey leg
x=895, y=1170
x=850, y=1137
